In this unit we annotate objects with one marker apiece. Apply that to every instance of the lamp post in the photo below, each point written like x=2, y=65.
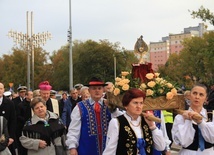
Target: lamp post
x=115, y=66
x=29, y=41
x=70, y=50
x=23, y=40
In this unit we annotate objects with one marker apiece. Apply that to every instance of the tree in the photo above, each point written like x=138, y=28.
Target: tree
x=172, y=71
x=60, y=69
x=194, y=63
x=90, y=58
x=42, y=70
x=96, y=59
x=198, y=56
x=203, y=14
x=14, y=67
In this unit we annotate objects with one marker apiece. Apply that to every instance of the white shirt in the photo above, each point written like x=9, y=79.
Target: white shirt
x=183, y=133
x=113, y=135
x=1, y=100
x=163, y=129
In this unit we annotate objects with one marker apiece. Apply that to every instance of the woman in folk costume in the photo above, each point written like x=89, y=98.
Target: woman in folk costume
x=132, y=133
x=42, y=130
x=193, y=130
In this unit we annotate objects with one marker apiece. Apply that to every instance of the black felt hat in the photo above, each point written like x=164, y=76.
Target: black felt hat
x=96, y=82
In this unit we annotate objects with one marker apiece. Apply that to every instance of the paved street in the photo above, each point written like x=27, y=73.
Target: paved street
x=175, y=149
x=174, y=152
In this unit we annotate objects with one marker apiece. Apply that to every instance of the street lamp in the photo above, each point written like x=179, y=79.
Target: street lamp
x=23, y=40
x=70, y=49
x=115, y=66
x=29, y=40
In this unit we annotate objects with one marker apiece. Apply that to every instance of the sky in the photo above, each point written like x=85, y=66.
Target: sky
x=120, y=21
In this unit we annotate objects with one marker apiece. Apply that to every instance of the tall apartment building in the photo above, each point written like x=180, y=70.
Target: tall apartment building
x=160, y=51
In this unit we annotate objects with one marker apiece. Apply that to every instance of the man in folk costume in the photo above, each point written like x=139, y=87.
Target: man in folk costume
x=89, y=122
x=52, y=104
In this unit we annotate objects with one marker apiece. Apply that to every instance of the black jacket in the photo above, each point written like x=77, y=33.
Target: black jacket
x=7, y=109
x=4, y=144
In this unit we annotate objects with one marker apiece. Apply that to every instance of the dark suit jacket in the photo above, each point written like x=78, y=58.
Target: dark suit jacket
x=16, y=102
x=23, y=113
x=4, y=144
x=7, y=109
x=50, y=106
x=67, y=109
x=61, y=105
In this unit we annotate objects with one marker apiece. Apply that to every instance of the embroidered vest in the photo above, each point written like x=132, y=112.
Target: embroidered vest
x=88, y=142
x=127, y=142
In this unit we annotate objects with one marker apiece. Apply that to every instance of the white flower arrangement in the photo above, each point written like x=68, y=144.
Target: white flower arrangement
x=154, y=86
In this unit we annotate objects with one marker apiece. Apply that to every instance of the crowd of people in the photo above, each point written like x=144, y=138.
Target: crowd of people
x=37, y=120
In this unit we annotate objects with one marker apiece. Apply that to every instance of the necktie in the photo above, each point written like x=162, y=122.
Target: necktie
x=201, y=140
x=97, y=107
x=97, y=112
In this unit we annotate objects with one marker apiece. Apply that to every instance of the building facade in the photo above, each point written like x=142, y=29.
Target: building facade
x=159, y=52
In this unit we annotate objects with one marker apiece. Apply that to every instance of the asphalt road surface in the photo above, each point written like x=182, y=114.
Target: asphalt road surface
x=175, y=149
x=174, y=152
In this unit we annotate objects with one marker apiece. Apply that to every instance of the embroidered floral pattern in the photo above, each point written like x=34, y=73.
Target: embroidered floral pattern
x=148, y=138
x=131, y=141
x=92, y=122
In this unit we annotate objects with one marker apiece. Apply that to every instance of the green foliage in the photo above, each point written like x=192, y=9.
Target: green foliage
x=14, y=67
x=60, y=68
x=203, y=14
x=194, y=63
x=90, y=58
x=42, y=70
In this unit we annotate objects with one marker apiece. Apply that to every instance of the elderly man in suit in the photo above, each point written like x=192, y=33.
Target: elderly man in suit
x=7, y=109
x=52, y=104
